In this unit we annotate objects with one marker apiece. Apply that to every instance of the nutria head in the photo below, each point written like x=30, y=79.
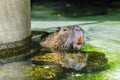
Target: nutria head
x=64, y=38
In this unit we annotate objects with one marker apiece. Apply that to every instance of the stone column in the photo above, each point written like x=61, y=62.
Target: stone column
x=14, y=27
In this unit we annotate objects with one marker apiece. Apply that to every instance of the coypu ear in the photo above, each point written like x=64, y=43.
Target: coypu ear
x=58, y=29
x=82, y=30
x=44, y=35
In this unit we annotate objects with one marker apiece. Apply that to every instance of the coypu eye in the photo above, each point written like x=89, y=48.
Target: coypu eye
x=76, y=29
x=64, y=29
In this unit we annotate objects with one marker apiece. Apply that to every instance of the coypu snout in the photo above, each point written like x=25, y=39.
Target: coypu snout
x=64, y=38
x=75, y=38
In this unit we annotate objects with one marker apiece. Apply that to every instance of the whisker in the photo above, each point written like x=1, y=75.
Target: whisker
x=70, y=35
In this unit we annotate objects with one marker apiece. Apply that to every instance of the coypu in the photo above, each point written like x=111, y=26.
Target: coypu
x=64, y=38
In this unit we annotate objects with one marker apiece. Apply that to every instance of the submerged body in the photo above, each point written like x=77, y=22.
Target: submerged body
x=64, y=38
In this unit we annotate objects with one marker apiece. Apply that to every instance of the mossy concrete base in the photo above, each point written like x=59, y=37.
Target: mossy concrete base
x=19, y=53
x=95, y=61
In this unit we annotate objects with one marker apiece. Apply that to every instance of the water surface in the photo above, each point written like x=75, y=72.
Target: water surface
x=99, y=36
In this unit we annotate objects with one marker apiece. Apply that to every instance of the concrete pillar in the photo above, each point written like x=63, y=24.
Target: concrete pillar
x=14, y=27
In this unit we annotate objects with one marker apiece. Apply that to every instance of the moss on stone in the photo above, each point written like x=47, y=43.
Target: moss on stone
x=20, y=53
x=14, y=51
x=15, y=48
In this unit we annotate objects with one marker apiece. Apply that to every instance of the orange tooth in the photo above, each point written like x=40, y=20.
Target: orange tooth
x=80, y=60
x=79, y=40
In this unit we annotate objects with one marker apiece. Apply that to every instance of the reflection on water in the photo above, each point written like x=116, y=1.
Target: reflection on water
x=75, y=61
